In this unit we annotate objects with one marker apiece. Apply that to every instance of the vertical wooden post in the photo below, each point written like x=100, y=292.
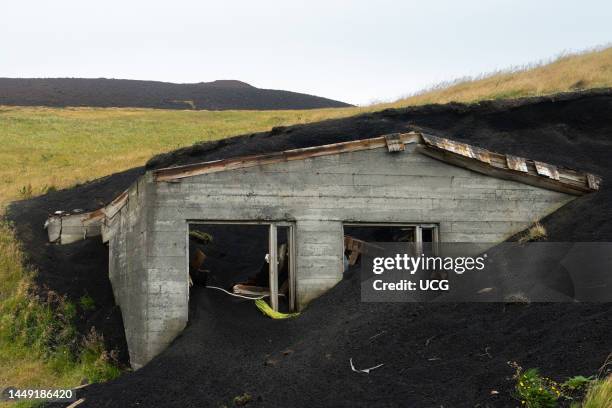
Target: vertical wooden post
x=291, y=265
x=436, y=240
x=418, y=240
x=273, y=251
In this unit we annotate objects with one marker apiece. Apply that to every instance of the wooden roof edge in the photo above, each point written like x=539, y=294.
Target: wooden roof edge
x=557, y=177
x=232, y=163
x=533, y=172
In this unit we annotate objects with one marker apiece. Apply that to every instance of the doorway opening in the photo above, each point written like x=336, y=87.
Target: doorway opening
x=245, y=259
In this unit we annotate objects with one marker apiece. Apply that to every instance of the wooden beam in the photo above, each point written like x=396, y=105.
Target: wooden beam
x=292, y=270
x=190, y=170
x=273, y=267
x=418, y=240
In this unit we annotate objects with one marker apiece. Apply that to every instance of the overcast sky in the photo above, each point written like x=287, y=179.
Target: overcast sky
x=354, y=51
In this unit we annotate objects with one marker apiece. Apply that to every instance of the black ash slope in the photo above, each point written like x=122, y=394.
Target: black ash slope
x=450, y=355
x=224, y=350
x=101, y=92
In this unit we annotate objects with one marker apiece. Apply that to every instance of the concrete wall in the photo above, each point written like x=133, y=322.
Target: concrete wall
x=318, y=194
x=127, y=269
x=152, y=296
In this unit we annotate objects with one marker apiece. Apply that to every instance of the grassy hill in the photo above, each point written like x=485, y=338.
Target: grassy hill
x=592, y=69
x=53, y=148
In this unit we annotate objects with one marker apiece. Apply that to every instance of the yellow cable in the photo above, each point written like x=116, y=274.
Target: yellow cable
x=268, y=311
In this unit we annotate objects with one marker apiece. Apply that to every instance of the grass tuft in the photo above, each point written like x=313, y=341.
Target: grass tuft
x=536, y=232
x=599, y=395
x=87, y=303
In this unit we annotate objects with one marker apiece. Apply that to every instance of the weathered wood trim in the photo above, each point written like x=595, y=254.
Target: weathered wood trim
x=516, y=163
x=547, y=170
x=395, y=143
x=508, y=174
x=190, y=170
x=491, y=163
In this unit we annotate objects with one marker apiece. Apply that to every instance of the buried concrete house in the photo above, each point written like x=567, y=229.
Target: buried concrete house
x=301, y=203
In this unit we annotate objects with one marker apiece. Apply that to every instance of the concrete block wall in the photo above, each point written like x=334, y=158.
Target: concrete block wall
x=318, y=195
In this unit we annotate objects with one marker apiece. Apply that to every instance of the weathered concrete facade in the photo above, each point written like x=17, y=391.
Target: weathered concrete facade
x=148, y=248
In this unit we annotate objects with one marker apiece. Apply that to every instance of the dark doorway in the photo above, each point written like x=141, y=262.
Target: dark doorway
x=247, y=260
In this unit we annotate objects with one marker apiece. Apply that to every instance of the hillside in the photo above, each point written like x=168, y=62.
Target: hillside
x=465, y=348
x=101, y=92
x=572, y=72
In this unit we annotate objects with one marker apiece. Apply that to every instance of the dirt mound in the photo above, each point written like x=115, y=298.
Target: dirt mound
x=101, y=92
x=450, y=354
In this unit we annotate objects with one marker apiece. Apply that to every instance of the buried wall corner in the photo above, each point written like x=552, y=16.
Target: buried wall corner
x=148, y=273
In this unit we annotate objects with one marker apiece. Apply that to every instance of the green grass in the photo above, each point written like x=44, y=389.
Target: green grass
x=599, y=395
x=87, y=303
x=46, y=148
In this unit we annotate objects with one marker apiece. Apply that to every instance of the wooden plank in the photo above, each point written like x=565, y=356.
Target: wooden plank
x=116, y=205
x=516, y=163
x=461, y=149
x=594, y=181
x=523, y=177
x=76, y=403
x=190, y=170
x=252, y=290
x=481, y=154
x=547, y=170
x=394, y=143
x=174, y=173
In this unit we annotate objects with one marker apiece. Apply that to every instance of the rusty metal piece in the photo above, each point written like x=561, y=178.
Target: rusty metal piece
x=547, y=170
x=516, y=163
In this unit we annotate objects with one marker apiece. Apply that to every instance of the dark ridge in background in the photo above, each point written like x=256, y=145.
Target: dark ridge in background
x=434, y=354
x=102, y=92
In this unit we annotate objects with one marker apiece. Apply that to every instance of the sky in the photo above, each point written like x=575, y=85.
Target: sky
x=355, y=51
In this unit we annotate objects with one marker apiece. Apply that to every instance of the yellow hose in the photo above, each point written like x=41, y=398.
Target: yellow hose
x=267, y=310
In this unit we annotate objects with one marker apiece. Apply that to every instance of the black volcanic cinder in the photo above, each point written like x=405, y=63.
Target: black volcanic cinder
x=217, y=95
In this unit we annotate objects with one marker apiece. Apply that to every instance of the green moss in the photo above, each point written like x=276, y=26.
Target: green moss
x=87, y=303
